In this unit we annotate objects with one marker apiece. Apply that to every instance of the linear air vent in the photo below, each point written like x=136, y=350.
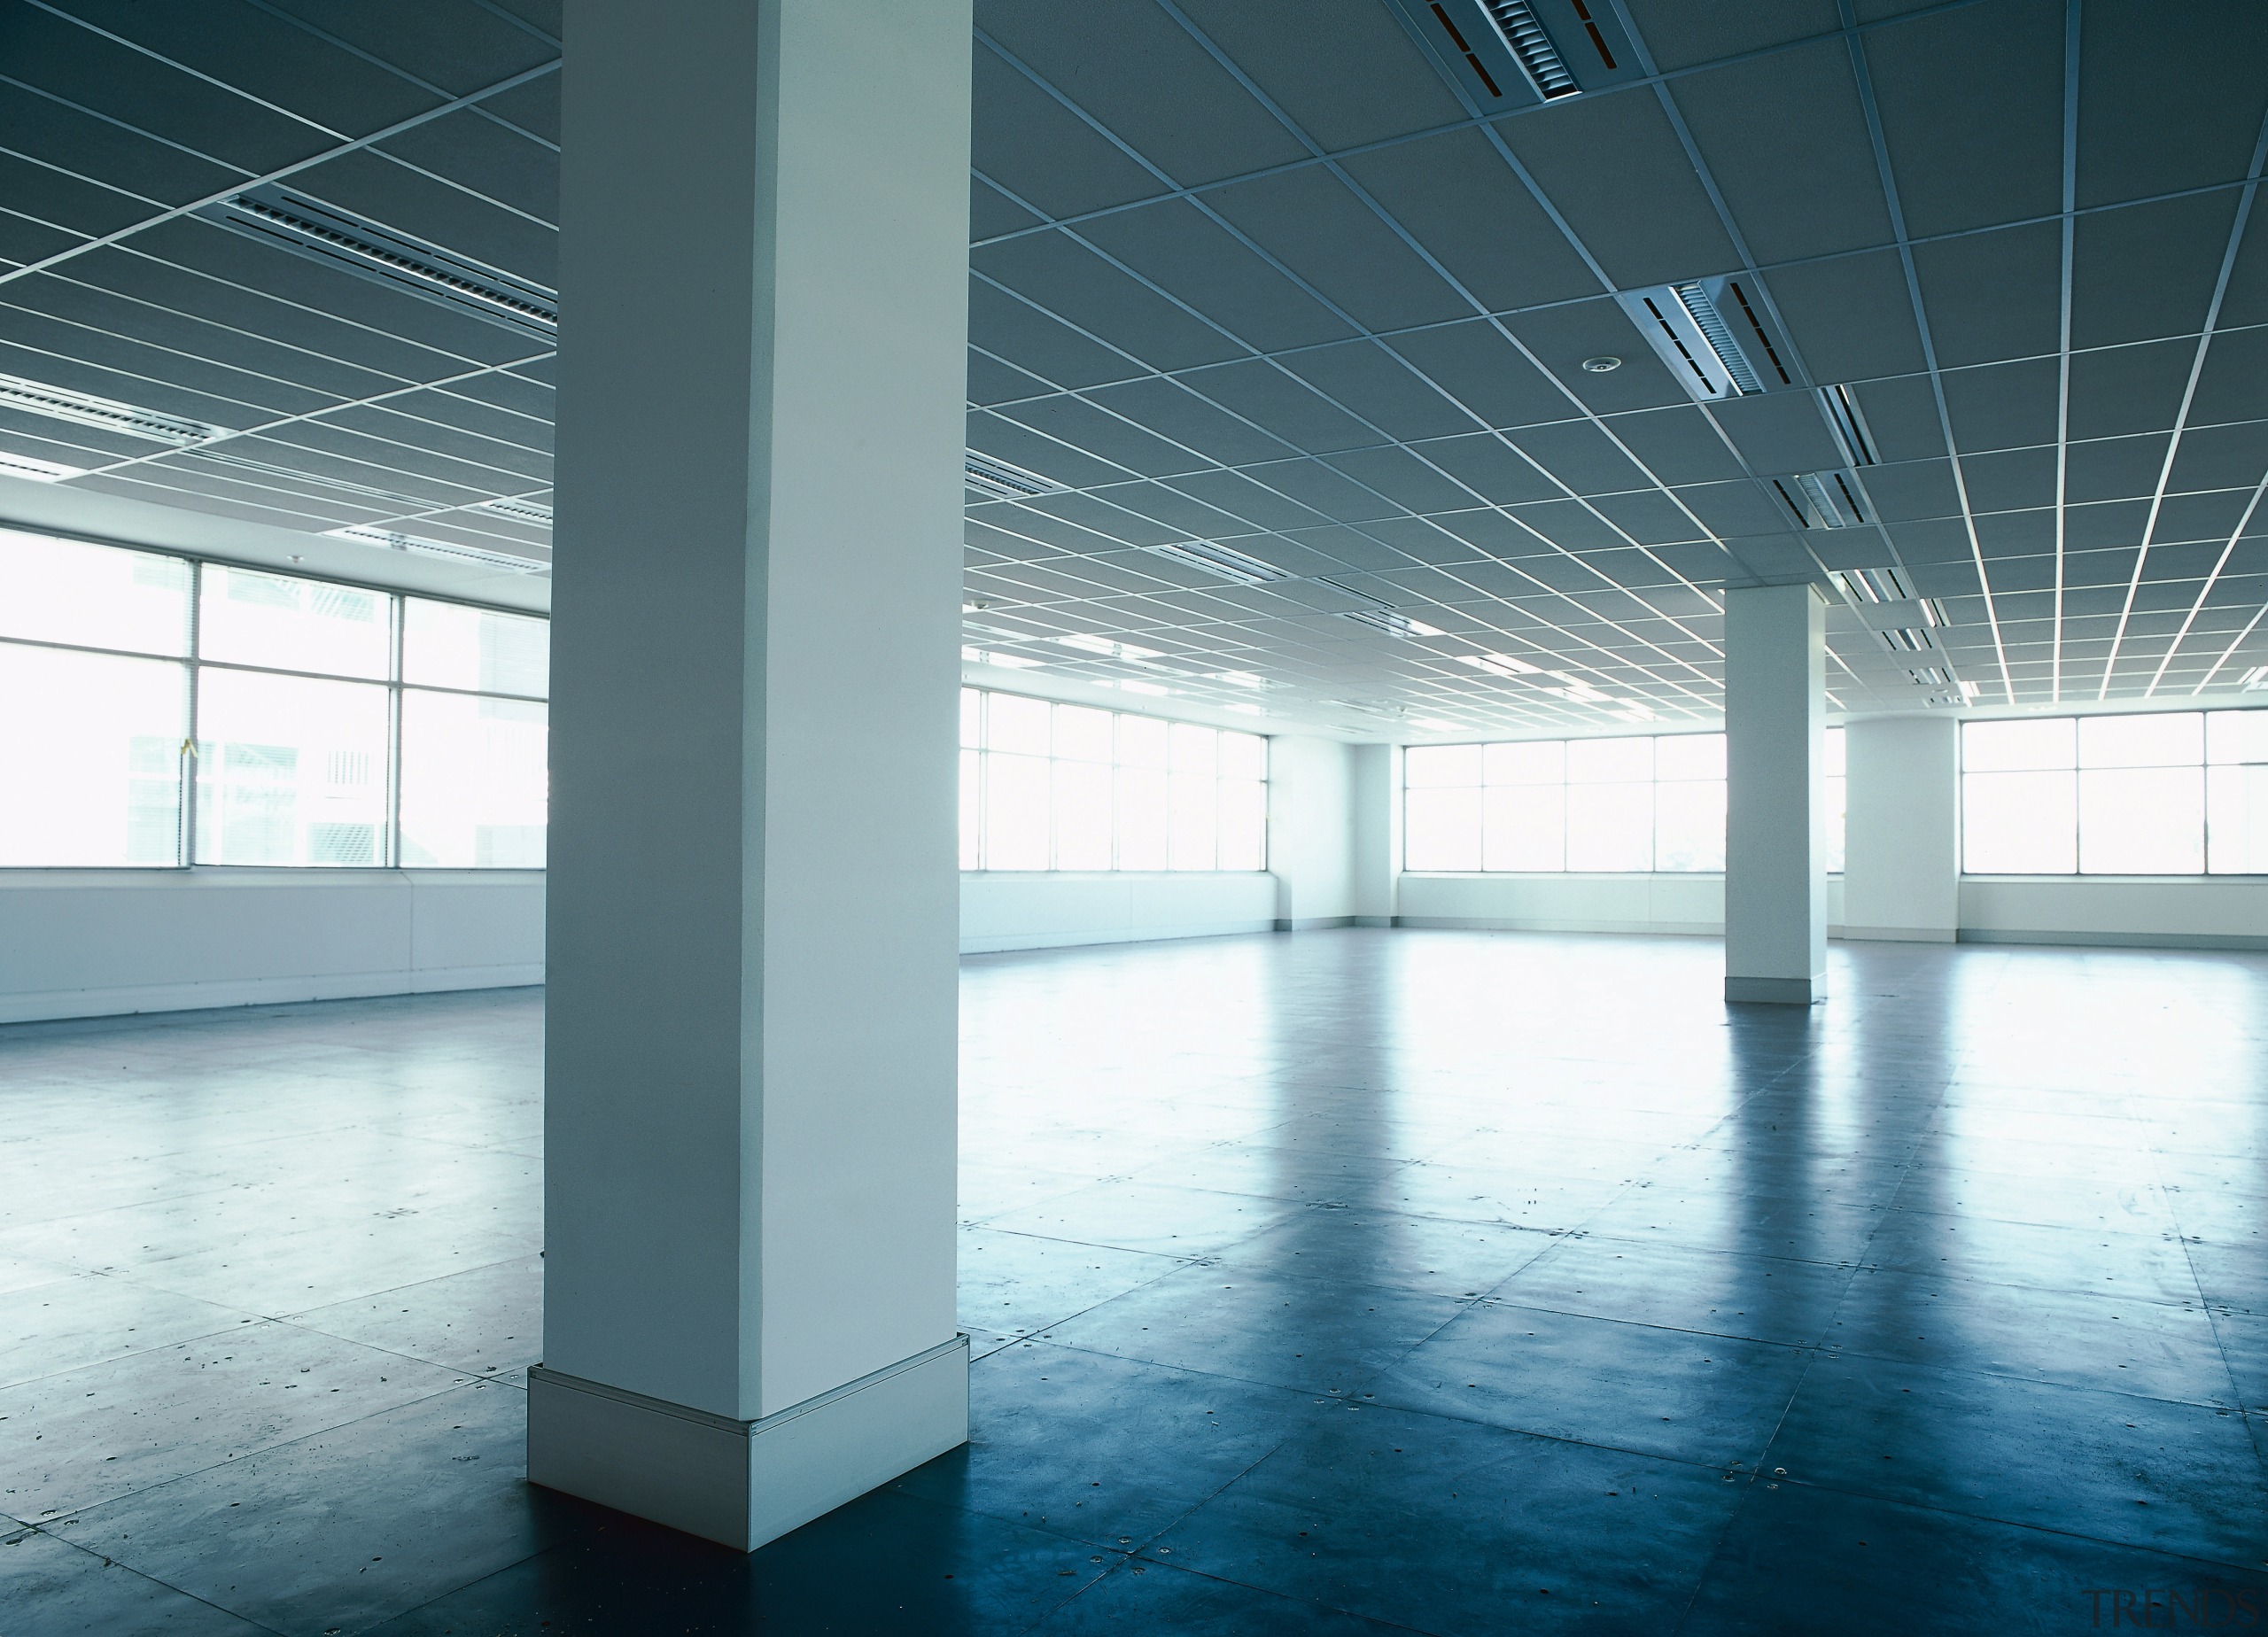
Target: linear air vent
x=1822, y=500
x=1707, y=332
x=38, y=471
x=1848, y=424
x=1929, y=676
x=60, y=403
x=324, y=233
x=1755, y=327
x=1533, y=50
x=1908, y=640
x=1000, y=480
x=390, y=540
x=1221, y=562
x=518, y=511
x=1391, y=623
x=1874, y=585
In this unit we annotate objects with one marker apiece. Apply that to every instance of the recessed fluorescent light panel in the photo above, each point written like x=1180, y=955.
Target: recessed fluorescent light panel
x=1498, y=664
x=1002, y=480
x=518, y=511
x=60, y=403
x=1848, y=425
x=320, y=232
x=1710, y=333
x=1107, y=649
x=38, y=471
x=2255, y=680
x=1822, y=500
x=1516, y=53
x=1391, y=623
x=1241, y=679
x=1908, y=640
x=1220, y=561
x=386, y=538
x=1874, y=584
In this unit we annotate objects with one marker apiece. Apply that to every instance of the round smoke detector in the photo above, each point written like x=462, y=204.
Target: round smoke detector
x=1601, y=366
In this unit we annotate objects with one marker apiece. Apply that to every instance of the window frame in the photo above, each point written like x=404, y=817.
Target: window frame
x=2076, y=772
x=975, y=757
x=194, y=663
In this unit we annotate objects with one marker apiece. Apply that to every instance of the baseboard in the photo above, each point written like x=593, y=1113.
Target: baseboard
x=1479, y=923
x=43, y=1004
x=745, y=1483
x=1003, y=943
x=2232, y=941
x=1775, y=991
x=1313, y=923
x=1895, y=934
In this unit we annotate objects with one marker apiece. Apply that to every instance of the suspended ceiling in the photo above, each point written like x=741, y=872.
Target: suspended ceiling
x=1270, y=277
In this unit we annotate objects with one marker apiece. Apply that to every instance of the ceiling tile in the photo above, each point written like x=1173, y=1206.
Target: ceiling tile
x=2170, y=96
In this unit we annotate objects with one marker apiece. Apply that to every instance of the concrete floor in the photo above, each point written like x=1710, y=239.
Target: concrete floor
x=1346, y=1283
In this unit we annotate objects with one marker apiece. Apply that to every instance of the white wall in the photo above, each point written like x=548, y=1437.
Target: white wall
x=93, y=943
x=2139, y=913
x=1687, y=904
x=1012, y=911
x=1310, y=840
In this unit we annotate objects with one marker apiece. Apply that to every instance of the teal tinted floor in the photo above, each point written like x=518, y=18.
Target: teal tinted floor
x=1351, y=1282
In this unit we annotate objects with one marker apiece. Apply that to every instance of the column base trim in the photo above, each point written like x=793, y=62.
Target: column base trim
x=745, y=1483
x=1775, y=991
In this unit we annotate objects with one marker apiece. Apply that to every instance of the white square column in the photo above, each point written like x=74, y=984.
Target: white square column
x=750, y=1116
x=1775, y=720
x=1375, y=831
x=1902, y=847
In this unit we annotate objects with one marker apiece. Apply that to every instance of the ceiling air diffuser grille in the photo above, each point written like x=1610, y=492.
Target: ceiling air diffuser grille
x=392, y=541
x=60, y=403
x=308, y=228
x=1532, y=48
x=518, y=511
x=1220, y=561
x=1000, y=480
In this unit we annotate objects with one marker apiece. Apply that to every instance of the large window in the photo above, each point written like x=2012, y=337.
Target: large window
x=1050, y=786
x=163, y=711
x=1619, y=806
x=2181, y=793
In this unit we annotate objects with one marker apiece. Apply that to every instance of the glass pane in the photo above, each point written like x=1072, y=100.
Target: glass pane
x=1196, y=802
x=2175, y=739
x=1082, y=801
x=1083, y=734
x=447, y=645
x=2011, y=747
x=1243, y=756
x=289, y=771
x=2236, y=736
x=2019, y=824
x=1196, y=750
x=474, y=782
x=1141, y=814
x=1689, y=825
x=1018, y=725
x=1610, y=827
x=1435, y=766
x=1141, y=741
x=1524, y=827
x=93, y=748
x=972, y=719
x=1838, y=821
x=1542, y=761
x=2237, y=820
x=62, y=591
x=1016, y=808
x=2142, y=821
x=1690, y=755
x=1441, y=830
x=1609, y=761
x=1244, y=824
x=1833, y=753
x=972, y=806
x=294, y=624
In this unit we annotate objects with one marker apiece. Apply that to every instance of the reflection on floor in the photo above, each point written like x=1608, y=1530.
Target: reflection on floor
x=1349, y=1282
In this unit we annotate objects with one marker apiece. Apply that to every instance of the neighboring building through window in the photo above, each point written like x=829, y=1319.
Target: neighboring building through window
x=1057, y=786
x=165, y=711
x=1631, y=805
x=2172, y=793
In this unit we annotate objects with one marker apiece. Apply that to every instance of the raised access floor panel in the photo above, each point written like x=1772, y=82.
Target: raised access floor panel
x=1351, y=1282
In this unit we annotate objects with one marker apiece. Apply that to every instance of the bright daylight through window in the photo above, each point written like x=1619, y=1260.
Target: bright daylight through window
x=2184, y=793
x=1635, y=805
x=1050, y=786
x=171, y=712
